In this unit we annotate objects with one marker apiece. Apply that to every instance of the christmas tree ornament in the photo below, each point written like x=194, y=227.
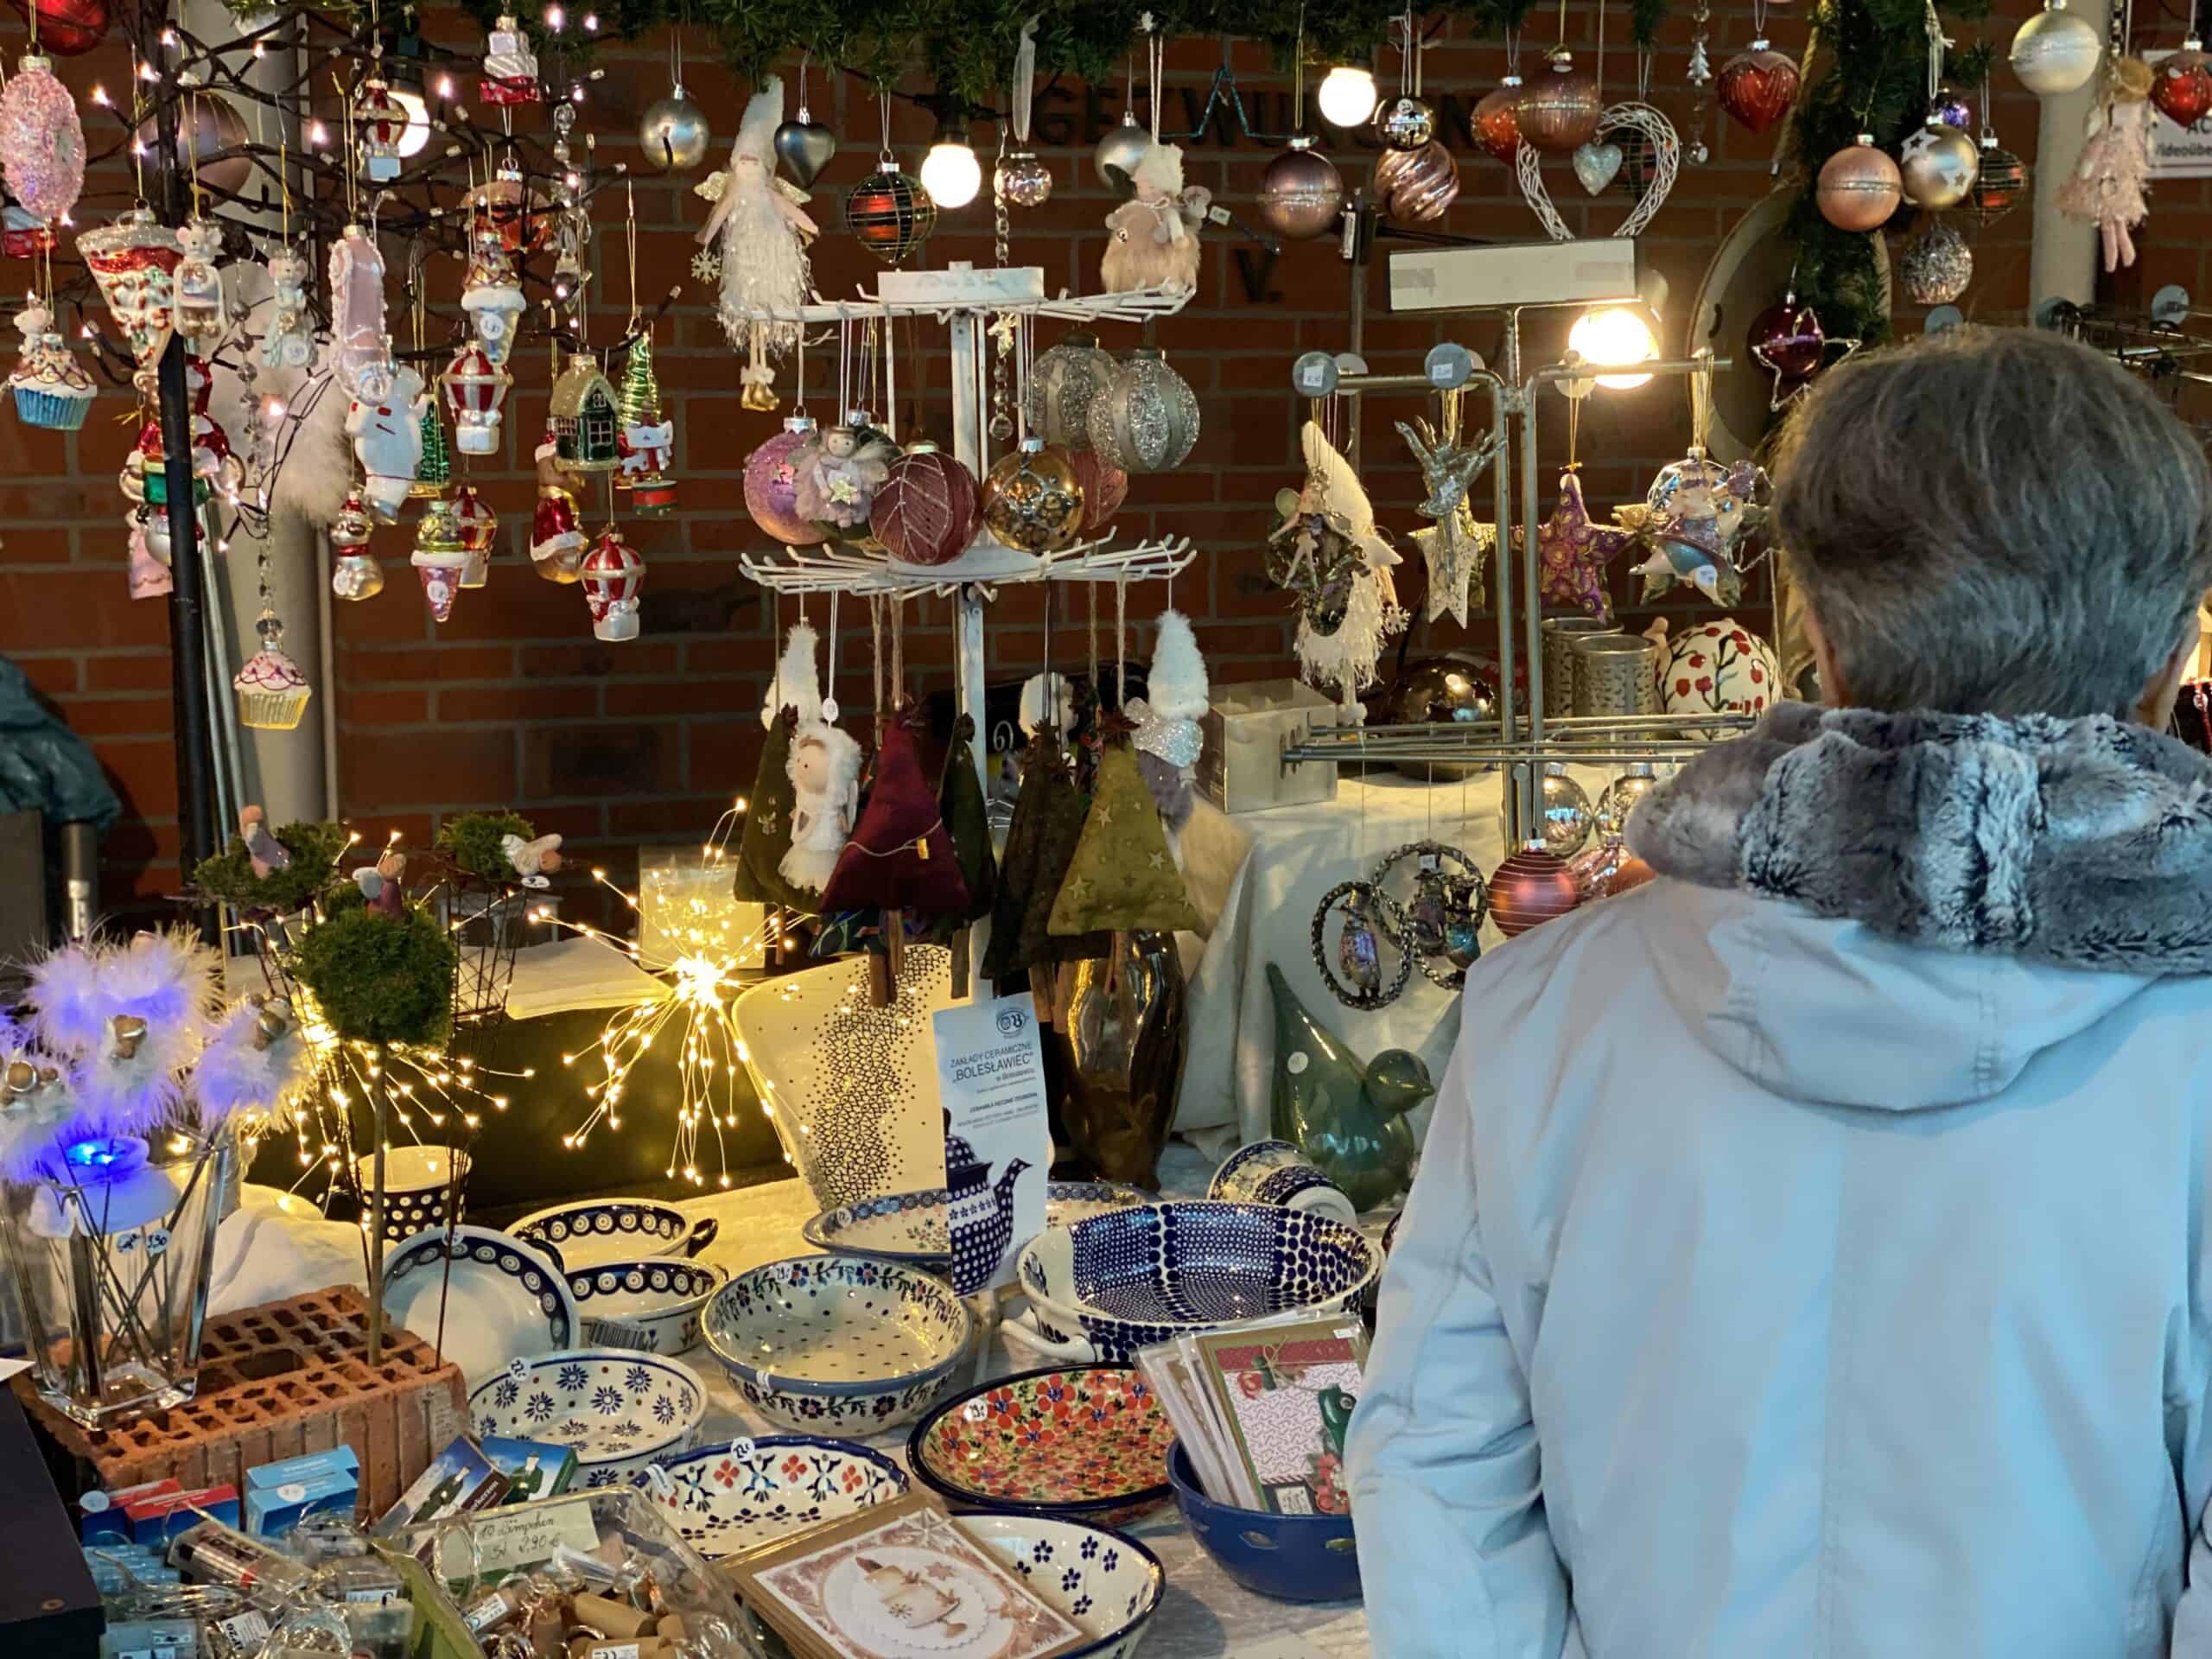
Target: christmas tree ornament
x=134, y=263
x=475, y=386
x=379, y=124
x=1757, y=85
x=517, y=213
x=586, y=423
x=1717, y=668
x=67, y=29
x=1353, y=972
x=290, y=341
x=648, y=437
x=1442, y=919
x=898, y=855
x=1937, y=166
x=1301, y=192
x=2109, y=183
x=1558, y=108
x=928, y=510
x=1032, y=499
x=1950, y=109
x=1104, y=488
x=480, y=529
x=1683, y=546
x=889, y=214
x=762, y=233
x=803, y=144
x=440, y=559
x=1063, y=381
x=434, y=470
x=22, y=236
x=384, y=420
x=2000, y=183
x=1573, y=551
x=1564, y=817
x=50, y=390
x=41, y=140
x=1121, y=151
x=361, y=343
x=1023, y=179
x=1152, y=238
x=211, y=145
x=613, y=574
x=1147, y=420
x=1347, y=1116
x=556, y=542
x=1859, y=186
x=1497, y=121
x=1622, y=797
x=1043, y=768
x=2055, y=52
x=213, y=462
x=1596, y=166
x=354, y=574
x=1455, y=548
x=772, y=485
x=1404, y=122
x=1123, y=877
x=967, y=820
x=1416, y=187
x=1935, y=266
x=673, y=131
x=2180, y=85
x=1736, y=497
x=1531, y=886
x=198, y=302
x=839, y=469
x=272, y=692
x=509, y=75
x=1607, y=868
x=490, y=296
x=1788, y=341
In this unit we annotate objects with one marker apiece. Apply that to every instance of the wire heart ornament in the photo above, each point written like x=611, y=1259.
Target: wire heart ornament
x=1666, y=162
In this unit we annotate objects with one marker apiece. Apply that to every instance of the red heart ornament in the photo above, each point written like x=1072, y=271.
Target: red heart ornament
x=2182, y=85
x=1758, y=87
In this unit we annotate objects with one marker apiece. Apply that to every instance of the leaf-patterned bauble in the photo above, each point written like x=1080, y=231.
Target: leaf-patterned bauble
x=926, y=512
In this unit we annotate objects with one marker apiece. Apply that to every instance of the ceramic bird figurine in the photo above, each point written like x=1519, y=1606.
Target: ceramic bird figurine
x=263, y=850
x=1154, y=241
x=1347, y=1116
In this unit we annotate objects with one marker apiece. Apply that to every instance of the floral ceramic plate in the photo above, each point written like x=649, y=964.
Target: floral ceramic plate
x=726, y=1500
x=1107, y=1582
x=1085, y=1441
x=909, y=1226
x=621, y=1410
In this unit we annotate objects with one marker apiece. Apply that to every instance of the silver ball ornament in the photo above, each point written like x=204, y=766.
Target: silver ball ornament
x=1621, y=797
x=1119, y=151
x=1404, y=123
x=673, y=132
x=1937, y=167
x=1564, y=816
x=1936, y=268
x=2055, y=53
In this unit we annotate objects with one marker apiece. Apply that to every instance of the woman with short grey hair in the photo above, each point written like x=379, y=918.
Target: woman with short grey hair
x=1810, y=1256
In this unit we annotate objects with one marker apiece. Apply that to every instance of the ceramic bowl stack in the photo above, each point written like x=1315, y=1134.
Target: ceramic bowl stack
x=595, y=1232
x=728, y=1500
x=619, y=1410
x=838, y=1344
x=1078, y=1442
x=653, y=1305
x=1103, y=1288
x=910, y=1227
x=483, y=1299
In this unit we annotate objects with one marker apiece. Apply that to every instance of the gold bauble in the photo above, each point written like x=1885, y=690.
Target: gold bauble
x=1032, y=499
x=1559, y=106
x=1860, y=187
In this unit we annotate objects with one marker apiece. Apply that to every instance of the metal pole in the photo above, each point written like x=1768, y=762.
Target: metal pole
x=1361, y=243
x=967, y=602
x=195, y=749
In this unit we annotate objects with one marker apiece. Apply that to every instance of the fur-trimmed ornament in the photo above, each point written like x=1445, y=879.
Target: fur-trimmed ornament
x=764, y=233
x=1152, y=239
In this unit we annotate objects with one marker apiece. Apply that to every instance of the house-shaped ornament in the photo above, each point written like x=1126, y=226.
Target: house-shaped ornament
x=586, y=423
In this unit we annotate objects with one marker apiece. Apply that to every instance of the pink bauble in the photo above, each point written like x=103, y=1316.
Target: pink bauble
x=927, y=511
x=1104, y=489
x=771, y=487
x=42, y=142
x=1531, y=886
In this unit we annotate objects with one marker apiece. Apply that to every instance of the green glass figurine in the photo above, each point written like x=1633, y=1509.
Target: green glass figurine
x=1349, y=1117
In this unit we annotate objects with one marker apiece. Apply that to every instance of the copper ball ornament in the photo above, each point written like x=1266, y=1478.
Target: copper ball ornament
x=890, y=214
x=1104, y=488
x=2055, y=53
x=925, y=512
x=1935, y=266
x=771, y=486
x=1404, y=123
x=1937, y=166
x=1497, y=121
x=206, y=126
x=2180, y=85
x=1559, y=106
x=1531, y=886
x=1416, y=186
x=1757, y=86
x=1300, y=193
x=1999, y=184
x=1032, y=499
x=1023, y=179
x=1859, y=186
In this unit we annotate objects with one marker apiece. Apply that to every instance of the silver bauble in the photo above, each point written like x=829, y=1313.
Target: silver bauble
x=1148, y=419
x=1300, y=193
x=1064, y=382
x=673, y=132
x=1119, y=151
x=1024, y=180
x=1621, y=797
x=1937, y=167
x=1935, y=267
x=1404, y=123
x=1563, y=814
x=2055, y=52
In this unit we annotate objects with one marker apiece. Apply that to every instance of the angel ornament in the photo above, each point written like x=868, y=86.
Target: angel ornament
x=2108, y=185
x=839, y=470
x=1329, y=551
x=764, y=232
x=1155, y=235
x=1455, y=548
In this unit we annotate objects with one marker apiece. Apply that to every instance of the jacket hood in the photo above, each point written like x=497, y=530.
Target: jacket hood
x=2000, y=886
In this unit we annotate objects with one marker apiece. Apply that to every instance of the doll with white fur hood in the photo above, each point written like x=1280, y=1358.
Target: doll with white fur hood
x=825, y=772
x=1154, y=240
x=1168, y=739
x=763, y=236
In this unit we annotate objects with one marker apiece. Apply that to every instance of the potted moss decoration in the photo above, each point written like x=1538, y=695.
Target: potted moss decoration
x=477, y=843
x=229, y=878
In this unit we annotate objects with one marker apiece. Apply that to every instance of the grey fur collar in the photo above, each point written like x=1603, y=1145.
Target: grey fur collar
x=2084, y=842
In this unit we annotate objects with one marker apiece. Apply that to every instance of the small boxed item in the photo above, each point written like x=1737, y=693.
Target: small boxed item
x=103, y=1514
x=460, y=1479
x=154, y=1521
x=1241, y=768
x=279, y=1496
x=533, y=1468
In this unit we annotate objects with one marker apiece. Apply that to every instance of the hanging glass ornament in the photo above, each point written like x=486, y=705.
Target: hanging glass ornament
x=586, y=421
x=927, y=511
x=1148, y=419
x=2180, y=85
x=1353, y=972
x=1023, y=179
x=490, y=295
x=51, y=391
x=379, y=124
x=1936, y=167
x=67, y=29
x=42, y=142
x=556, y=544
x=474, y=388
x=509, y=75
x=354, y=572
x=1416, y=187
x=1859, y=186
x=434, y=471
x=199, y=284
x=517, y=213
x=290, y=341
x=673, y=131
x=133, y=262
x=1558, y=109
x=889, y=214
x=1063, y=383
x=1950, y=109
x=648, y=436
x=1935, y=266
x=1442, y=918
x=2000, y=182
x=613, y=573
x=1119, y=151
x=1404, y=122
x=1301, y=192
x=1563, y=815
x=803, y=144
x=440, y=558
x=149, y=574
x=1531, y=886
x=1757, y=86
x=1032, y=499
x=1104, y=488
x=772, y=485
x=2055, y=52
x=1622, y=797
x=480, y=528
x=1497, y=121
x=272, y=692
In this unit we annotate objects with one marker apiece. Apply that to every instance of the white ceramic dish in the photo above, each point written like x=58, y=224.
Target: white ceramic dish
x=595, y=1230
x=656, y=1303
x=619, y=1409
x=837, y=1345
x=1106, y=1582
x=503, y=1301
x=728, y=1500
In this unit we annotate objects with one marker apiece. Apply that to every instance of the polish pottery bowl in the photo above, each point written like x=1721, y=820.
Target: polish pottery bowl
x=729, y=1500
x=1107, y=1583
x=595, y=1231
x=910, y=1227
x=1119, y=1282
x=619, y=1410
x=653, y=1305
x=837, y=1345
x=1080, y=1442
x=1287, y=1557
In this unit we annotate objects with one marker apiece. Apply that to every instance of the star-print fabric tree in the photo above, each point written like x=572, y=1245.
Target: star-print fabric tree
x=1122, y=878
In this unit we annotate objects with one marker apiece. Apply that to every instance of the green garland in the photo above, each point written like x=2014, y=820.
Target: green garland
x=381, y=979
x=228, y=878
x=471, y=841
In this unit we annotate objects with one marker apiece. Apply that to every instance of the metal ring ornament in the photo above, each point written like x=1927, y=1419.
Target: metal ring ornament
x=1444, y=975
x=1390, y=923
x=1666, y=163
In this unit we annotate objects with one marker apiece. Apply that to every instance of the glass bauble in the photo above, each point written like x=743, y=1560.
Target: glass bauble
x=1104, y=488
x=1559, y=106
x=1300, y=191
x=1404, y=122
x=1563, y=814
x=2055, y=53
x=1622, y=797
x=1935, y=266
x=1416, y=186
x=1024, y=180
x=1064, y=382
x=1032, y=499
x=1757, y=86
x=1148, y=419
x=2180, y=85
x=1497, y=121
x=1858, y=188
x=1937, y=167
x=926, y=512
x=890, y=214
x=1119, y=152
x=673, y=132
x=1530, y=888
x=1999, y=184
x=772, y=485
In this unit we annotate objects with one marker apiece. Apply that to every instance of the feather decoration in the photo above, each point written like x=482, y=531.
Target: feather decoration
x=68, y=1014
x=1345, y=654
x=796, y=685
x=247, y=1065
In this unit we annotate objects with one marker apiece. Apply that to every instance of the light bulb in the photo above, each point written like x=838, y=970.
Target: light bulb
x=416, y=133
x=1614, y=336
x=1347, y=95
x=951, y=174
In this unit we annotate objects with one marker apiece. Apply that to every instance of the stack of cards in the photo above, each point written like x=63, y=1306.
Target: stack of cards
x=1263, y=1408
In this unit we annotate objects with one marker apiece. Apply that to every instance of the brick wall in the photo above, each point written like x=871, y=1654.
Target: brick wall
x=617, y=745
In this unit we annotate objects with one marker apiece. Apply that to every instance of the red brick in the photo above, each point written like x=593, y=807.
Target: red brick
x=527, y=700
x=431, y=769
x=96, y=717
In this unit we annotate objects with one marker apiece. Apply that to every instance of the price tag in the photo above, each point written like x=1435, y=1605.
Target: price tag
x=518, y=1368
x=1314, y=374
x=741, y=1448
x=127, y=1245
x=975, y=1411
x=248, y=1630
x=157, y=1240
x=662, y=1484
x=1428, y=864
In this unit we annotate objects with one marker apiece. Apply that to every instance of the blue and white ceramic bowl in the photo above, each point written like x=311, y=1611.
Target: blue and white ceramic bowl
x=653, y=1305
x=910, y=1227
x=1105, y=1582
x=1287, y=1557
x=1276, y=1172
x=728, y=1500
x=619, y=1409
x=1117, y=1283
x=837, y=1345
x=596, y=1230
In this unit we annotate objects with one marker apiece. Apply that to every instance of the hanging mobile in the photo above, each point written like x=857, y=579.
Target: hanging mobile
x=1443, y=921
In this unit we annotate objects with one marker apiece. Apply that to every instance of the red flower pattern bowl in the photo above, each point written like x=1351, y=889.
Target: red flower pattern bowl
x=1085, y=1442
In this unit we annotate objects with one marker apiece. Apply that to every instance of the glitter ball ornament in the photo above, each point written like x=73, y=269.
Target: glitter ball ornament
x=1301, y=192
x=2055, y=53
x=889, y=214
x=1023, y=179
x=1404, y=123
x=1104, y=488
x=1032, y=499
x=1530, y=888
x=1935, y=267
x=1858, y=188
x=1757, y=86
x=1622, y=797
x=1559, y=106
x=613, y=574
x=67, y=28
x=41, y=140
x=1416, y=186
x=1149, y=418
x=2180, y=85
x=673, y=132
x=1064, y=382
x=1937, y=166
x=1497, y=121
x=926, y=512
x=1999, y=184
x=772, y=485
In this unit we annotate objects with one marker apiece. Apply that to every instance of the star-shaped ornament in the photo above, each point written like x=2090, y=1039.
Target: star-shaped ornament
x=1788, y=341
x=1572, y=552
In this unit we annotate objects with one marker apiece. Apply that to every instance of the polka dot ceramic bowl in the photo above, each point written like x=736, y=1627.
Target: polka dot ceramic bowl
x=729, y=1500
x=1081, y=1442
x=836, y=1345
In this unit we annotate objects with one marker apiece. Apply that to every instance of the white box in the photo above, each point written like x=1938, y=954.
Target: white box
x=1600, y=271
x=961, y=283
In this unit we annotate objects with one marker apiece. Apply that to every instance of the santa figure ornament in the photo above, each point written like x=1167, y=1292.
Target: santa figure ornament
x=386, y=423
x=557, y=545
x=1154, y=236
x=763, y=233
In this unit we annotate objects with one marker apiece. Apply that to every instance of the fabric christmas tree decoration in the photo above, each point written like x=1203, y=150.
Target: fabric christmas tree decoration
x=767, y=834
x=1062, y=808
x=967, y=820
x=1123, y=878
x=899, y=856
x=1006, y=960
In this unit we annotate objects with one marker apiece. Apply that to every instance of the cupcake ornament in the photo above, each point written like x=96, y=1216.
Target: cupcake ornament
x=272, y=691
x=51, y=391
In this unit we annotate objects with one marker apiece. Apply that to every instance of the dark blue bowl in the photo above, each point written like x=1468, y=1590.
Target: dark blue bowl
x=1288, y=1557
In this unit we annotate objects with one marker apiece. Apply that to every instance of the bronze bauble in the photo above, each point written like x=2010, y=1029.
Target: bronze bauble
x=1858, y=188
x=1939, y=166
x=1301, y=192
x=1497, y=120
x=205, y=124
x=1416, y=186
x=1032, y=499
x=1559, y=106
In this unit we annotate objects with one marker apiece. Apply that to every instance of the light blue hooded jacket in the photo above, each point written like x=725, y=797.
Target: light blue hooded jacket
x=1808, y=1257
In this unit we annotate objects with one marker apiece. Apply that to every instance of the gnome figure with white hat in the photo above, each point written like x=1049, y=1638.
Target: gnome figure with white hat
x=764, y=234
x=1168, y=738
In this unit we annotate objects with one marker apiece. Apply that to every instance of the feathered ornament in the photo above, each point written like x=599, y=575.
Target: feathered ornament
x=1154, y=237
x=254, y=1059
x=796, y=687
x=119, y=1023
x=838, y=470
x=1048, y=700
x=1327, y=551
x=764, y=235
x=824, y=769
x=2108, y=186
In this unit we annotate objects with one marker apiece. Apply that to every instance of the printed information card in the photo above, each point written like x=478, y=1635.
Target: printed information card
x=998, y=1142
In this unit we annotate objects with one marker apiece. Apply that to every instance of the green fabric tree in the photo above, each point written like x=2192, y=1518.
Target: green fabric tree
x=1122, y=878
x=768, y=825
x=968, y=821
x=436, y=465
x=1062, y=808
x=1005, y=961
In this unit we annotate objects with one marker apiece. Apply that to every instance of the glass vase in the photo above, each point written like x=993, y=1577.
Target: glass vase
x=110, y=1254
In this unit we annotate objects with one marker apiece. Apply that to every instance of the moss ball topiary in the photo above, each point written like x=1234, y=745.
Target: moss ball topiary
x=381, y=979
x=471, y=841
x=228, y=877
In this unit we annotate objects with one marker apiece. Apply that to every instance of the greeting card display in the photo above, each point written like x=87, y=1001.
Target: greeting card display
x=1286, y=1396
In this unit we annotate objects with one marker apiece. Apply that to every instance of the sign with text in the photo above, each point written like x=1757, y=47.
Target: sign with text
x=2177, y=152
x=998, y=1143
